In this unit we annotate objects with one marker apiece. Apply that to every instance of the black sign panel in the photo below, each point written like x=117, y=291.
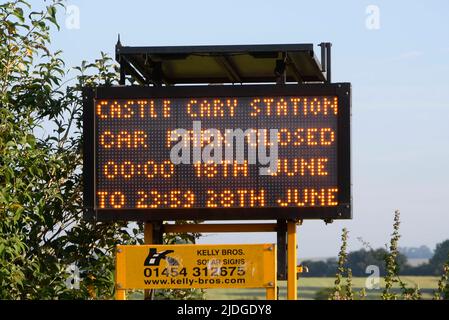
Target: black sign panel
x=217, y=152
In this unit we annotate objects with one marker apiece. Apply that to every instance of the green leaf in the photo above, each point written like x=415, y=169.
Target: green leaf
x=18, y=13
x=31, y=140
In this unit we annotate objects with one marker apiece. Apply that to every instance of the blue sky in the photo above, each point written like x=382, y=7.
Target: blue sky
x=400, y=79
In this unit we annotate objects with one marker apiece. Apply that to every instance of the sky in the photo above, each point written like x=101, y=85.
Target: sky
x=396, y=57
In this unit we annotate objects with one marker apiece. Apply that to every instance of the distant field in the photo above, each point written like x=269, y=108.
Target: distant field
x=308, y=287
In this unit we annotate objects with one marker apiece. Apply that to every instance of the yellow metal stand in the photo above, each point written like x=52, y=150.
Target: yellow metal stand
x=120, y=294
x=148, y=233
x=292, y=281
x=271, y=291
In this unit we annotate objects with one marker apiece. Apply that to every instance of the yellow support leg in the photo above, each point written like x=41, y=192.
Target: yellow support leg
x=271, y=293
x=120, y=294
x=270, y=270
x=148, y=233
x=292, y=282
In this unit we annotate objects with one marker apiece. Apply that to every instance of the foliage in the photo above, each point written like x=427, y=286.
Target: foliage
x=439, y=258
x=341, y=292
x=421, y=252
x=323, y=294
x=442, y=293
x=40, y=174
x=320, y=268
x=41, y=211
x=357, y=260
x=392, y=268
x=361, y=259
x=346, y=292
x=391, y=272
x=349, y=292
x=180, y=294
x=362, y=294
x=390, y=262
x=435, y=264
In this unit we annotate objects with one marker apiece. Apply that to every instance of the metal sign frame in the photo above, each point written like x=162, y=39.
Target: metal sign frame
x=342, y=211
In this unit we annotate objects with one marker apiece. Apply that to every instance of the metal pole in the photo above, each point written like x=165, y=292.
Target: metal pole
x=272, y=290
x=122, y=80
x=329, y=63
x=323, y=57
x=148, y=239
x=120, y=294
x=292, y=282
x=271, y=293
x=282, y=249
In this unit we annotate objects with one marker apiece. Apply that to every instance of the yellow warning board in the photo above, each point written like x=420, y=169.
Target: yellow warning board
x=196, y=266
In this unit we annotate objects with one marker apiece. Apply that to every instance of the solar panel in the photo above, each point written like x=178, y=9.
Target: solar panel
x=229, y=64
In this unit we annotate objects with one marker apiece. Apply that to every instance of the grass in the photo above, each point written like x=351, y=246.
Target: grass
x=308, y=287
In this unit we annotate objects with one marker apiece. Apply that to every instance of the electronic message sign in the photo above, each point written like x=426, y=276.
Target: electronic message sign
x=217, y=152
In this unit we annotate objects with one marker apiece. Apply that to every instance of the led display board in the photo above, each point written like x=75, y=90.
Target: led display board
x=217, y=152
